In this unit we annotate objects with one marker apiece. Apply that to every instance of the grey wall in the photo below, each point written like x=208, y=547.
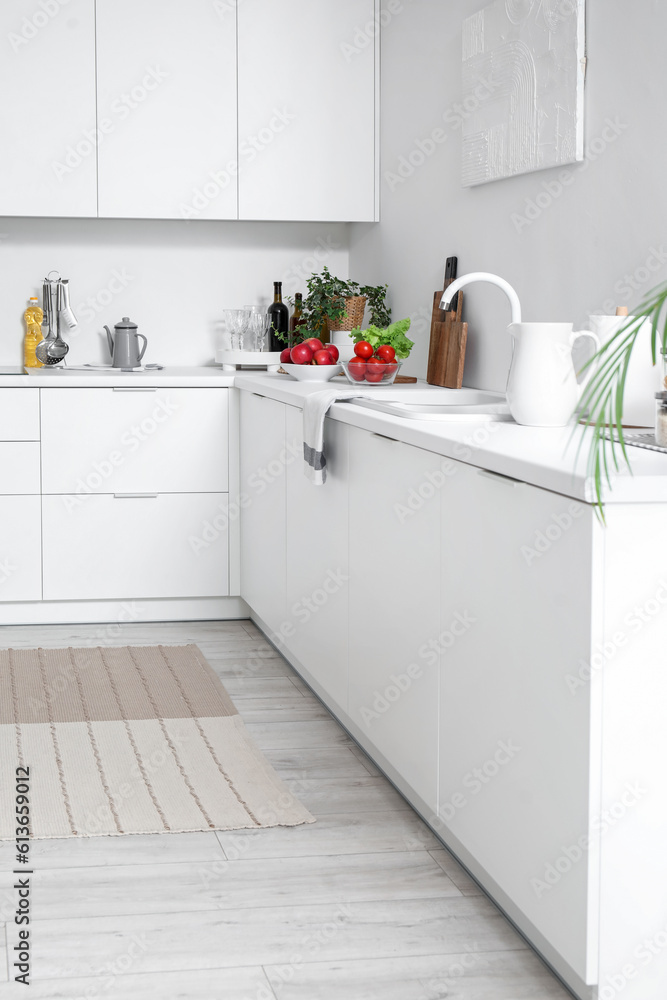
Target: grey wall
x=601, y=241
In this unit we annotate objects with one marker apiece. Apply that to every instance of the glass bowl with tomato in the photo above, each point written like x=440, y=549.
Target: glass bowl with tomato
x=371, y=366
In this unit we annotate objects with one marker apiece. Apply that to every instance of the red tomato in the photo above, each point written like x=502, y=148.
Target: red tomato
x=391, y=368
x=363, y=349
x=386, y=352
x=373, y=376
x=357, y=369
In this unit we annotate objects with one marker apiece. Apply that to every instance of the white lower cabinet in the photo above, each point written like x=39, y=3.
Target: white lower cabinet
x=317, y=570
x=264, y=456
x=517, y=741
x=20, y=548
x=135, y=439
x=151, y=546
x=394, y=598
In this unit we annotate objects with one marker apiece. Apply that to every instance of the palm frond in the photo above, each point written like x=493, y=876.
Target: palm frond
x=602, y=400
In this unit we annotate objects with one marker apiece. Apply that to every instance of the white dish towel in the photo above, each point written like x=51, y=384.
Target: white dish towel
x=315, y=408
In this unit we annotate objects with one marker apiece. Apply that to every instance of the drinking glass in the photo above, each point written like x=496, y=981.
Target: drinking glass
x=257, y=331
x=237, y=321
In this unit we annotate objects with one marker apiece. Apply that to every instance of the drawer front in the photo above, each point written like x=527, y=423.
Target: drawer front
x=19, y=414
x=20, y=549
x=106, y=547
x=19, y=467
x=134, y=440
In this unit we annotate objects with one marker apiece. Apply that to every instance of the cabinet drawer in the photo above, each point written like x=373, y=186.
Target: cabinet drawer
x=20, y=549
x=19, y=414
x=19, y=467
x=134, y=440
x=106, y=547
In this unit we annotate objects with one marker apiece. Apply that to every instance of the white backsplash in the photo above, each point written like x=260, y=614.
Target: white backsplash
x=174, y=279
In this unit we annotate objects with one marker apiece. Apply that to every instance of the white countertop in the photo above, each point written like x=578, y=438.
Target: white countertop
x=543, y=456
x=74, y=378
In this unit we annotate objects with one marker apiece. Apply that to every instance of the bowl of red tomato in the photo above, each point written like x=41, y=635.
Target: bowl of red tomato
x=371, y=366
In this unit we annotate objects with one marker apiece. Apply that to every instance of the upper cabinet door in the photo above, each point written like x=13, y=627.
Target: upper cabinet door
x=307, y=110
x=166, y=82
x=47, y=114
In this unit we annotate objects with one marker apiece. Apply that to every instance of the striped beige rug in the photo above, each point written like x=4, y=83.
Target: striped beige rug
x=133, y=739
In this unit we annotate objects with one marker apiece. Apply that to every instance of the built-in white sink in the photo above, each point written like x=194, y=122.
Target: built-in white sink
x=442, y=404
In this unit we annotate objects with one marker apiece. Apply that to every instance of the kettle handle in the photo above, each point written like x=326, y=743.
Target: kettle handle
x=109, y=340
x=592, y=369
x=143, y=349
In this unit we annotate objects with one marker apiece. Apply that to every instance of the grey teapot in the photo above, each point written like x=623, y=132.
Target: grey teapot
x=124, y=345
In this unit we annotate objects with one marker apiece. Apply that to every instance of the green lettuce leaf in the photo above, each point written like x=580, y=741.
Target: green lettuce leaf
x=395, y=335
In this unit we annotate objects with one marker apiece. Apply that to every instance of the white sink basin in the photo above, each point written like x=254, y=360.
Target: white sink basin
x=442, y=404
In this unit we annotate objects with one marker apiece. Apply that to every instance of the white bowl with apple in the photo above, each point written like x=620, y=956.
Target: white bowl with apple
x=311, y=361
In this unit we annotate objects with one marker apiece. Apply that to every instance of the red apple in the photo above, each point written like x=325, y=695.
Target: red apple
x=323, y=358
x=286, y=356
x=301, y=354
x=314, y=344
x=333, y=351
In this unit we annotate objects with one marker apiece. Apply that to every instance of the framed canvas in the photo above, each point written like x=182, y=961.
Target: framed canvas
x=523, y=88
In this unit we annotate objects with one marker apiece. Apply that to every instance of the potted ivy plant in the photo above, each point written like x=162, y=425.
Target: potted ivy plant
x=602, y=400
x=334, y=303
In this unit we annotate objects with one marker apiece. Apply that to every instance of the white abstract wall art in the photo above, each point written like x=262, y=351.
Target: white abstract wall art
x=523, y=88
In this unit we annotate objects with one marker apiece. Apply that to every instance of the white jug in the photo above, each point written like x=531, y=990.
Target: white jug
x=643, y=378
x=542, y=389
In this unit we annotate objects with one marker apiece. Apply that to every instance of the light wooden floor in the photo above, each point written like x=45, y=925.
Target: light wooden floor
x=362, y=905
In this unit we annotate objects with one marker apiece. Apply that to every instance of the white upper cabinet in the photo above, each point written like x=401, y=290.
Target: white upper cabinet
x=47, y=115
x=166, y=90
x=307, y=110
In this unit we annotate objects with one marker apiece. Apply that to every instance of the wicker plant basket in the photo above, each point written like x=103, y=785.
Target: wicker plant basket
x=354, y=314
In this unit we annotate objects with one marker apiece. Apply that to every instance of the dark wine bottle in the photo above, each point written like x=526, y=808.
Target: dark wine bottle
x=296, y=319
x=278, y=314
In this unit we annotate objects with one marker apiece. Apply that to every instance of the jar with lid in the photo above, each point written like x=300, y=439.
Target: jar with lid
x=661, y=419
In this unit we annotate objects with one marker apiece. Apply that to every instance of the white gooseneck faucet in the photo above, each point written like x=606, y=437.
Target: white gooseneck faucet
x=493, y=279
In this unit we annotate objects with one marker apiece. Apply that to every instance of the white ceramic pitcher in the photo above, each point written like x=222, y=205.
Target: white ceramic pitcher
x=542, y=389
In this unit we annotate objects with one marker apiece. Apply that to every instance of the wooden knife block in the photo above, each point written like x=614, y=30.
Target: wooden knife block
x=447, y=347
